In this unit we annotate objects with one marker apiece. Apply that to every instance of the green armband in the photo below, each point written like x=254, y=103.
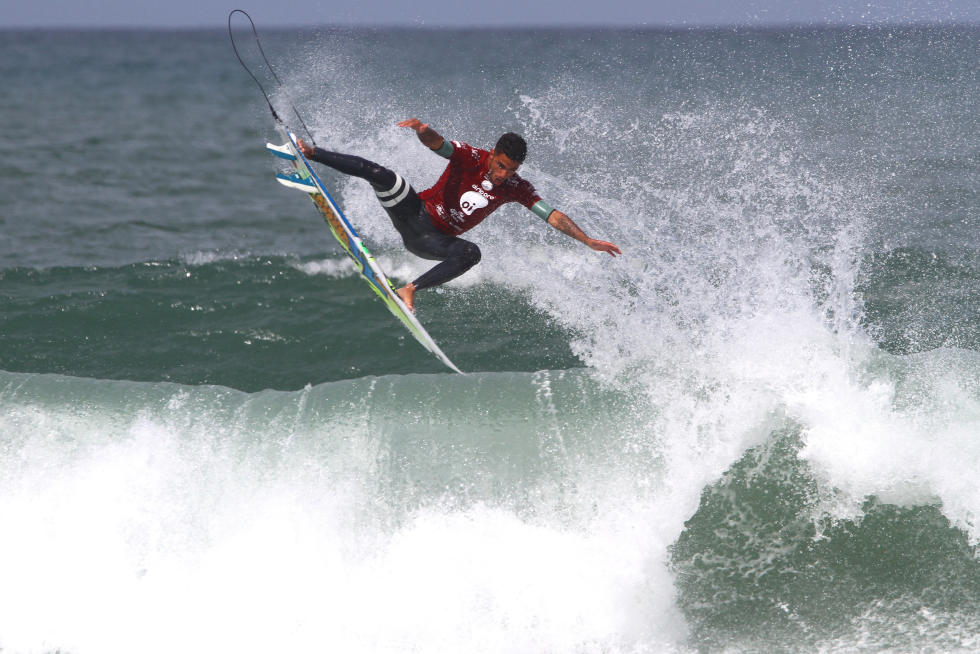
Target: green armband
x=542, y=209
x=446, y=149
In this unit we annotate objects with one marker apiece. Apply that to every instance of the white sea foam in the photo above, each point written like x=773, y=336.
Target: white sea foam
x=163, y=518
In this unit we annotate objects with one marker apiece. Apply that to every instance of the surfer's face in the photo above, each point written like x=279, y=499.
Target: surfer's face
x=501, y=167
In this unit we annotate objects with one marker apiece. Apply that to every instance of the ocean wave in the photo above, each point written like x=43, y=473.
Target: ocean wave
x=573, y=492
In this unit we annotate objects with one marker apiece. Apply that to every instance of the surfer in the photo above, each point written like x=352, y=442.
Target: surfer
x=474, y=183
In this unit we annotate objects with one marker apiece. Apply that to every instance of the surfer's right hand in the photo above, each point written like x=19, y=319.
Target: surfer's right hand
x=429, y=137
x=414, y=123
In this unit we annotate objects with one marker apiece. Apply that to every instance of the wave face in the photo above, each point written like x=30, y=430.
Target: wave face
x=755, y=431
x=251, y=322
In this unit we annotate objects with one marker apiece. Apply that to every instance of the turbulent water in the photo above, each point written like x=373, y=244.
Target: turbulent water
x=757, y=430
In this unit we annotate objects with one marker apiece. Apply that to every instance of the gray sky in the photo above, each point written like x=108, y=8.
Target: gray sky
x=493, y=13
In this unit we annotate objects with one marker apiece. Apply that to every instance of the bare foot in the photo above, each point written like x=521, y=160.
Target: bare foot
x=304, y=148
x=407, y=294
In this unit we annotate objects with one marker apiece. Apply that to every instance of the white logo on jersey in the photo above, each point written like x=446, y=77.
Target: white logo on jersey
x=486, y=184
x=471, y=201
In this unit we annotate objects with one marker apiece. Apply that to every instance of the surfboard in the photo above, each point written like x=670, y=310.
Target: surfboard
x=302, y=177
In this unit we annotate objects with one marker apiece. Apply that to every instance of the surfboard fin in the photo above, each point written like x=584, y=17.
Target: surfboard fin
x=281, y=151
x=297, y=182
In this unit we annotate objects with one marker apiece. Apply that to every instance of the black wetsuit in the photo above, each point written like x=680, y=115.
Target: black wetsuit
x=408, y=215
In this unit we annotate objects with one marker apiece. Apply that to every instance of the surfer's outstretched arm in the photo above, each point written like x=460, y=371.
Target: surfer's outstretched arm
x=429, y=137
x=566, y=225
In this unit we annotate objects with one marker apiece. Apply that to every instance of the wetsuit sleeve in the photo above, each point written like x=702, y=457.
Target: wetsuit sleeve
x=446, y=149
x=542, y=209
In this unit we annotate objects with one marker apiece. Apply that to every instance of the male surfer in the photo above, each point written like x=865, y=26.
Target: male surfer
x=474, y=184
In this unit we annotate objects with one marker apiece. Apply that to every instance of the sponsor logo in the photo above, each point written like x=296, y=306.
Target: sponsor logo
x=486, y=184
x=482, y=192
x=473, y=200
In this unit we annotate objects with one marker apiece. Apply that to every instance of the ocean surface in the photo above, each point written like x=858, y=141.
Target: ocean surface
x=757, y=430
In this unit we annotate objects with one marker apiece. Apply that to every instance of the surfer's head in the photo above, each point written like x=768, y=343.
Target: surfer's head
x=513, y=145
x=506, y=157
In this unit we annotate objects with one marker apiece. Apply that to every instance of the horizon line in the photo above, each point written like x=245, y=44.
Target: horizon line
x=516, y=28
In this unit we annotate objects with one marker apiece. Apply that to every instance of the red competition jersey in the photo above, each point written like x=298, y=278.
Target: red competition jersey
x=463, y=196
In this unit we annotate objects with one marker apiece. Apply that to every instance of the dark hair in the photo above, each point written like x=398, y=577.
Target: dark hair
x=513, y=146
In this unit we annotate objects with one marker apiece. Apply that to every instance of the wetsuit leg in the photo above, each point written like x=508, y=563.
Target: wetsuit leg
x=457, y=255
x=378, y=176
x=422, y=239
x=408, y=215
